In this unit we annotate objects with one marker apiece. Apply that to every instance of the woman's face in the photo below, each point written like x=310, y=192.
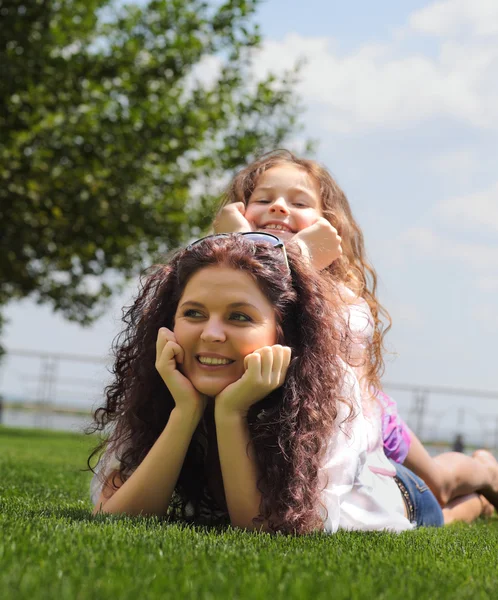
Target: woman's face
x=285, y=200
x=222, y=316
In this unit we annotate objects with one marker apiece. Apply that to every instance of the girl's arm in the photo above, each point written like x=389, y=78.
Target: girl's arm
x=320, y=243
x=231, y=219
x=265, y=371
x=149, y=489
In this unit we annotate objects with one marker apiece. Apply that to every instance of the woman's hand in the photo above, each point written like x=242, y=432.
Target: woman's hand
x=322, y=243
x=169, y=354
x=231, y=219
x=266, y=370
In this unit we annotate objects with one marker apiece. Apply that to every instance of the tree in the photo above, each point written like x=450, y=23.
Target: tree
x=109, y=138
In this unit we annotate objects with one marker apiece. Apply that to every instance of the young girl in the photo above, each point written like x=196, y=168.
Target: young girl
x=297, y=199
x=230, y=403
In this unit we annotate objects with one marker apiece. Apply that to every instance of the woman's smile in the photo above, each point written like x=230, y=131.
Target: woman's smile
x=213, y=360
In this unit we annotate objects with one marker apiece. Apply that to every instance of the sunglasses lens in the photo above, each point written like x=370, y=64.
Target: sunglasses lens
x=269, y=238
x=264, y=237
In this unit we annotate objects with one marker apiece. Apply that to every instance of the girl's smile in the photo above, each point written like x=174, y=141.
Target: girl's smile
x=221, y=317
x=278, y=226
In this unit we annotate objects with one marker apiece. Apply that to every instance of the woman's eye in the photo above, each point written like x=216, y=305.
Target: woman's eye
x=240, y=317
x=192, y=313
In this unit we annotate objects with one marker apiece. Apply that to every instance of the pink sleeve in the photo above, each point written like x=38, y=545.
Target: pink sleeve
x=395, y=432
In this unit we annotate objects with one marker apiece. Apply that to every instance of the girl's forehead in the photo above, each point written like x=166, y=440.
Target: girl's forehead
x=287, y=175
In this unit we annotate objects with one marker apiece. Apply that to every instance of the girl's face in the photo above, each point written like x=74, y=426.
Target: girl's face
x=221, y=317
x=285, y=200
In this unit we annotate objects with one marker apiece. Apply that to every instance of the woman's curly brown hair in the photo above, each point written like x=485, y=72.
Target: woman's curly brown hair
x=352, y=268
x=289, y=429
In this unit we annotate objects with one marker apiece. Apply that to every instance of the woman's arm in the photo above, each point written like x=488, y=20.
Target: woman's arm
x=266, y=369
x=238, y=468
x=149, y=489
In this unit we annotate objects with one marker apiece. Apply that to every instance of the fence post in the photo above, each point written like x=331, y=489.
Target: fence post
x=420, y=400
x=46, y=386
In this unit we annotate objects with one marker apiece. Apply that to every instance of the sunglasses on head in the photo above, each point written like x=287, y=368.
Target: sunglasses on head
x=254, y=236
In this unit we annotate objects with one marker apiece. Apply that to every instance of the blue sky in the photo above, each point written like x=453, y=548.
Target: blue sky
x=403, y=100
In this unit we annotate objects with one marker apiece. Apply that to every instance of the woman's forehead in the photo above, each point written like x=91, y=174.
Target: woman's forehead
x=221, y=283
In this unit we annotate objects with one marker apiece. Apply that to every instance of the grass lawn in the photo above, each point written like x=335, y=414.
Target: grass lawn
x=51, y=547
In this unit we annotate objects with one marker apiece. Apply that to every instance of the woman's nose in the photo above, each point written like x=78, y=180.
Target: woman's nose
x=279, y=207
x=213, y=332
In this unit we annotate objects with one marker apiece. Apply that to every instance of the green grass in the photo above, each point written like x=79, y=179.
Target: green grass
x=51, y=547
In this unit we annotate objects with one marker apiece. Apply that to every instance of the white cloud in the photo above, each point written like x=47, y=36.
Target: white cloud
x=380, y=85
x=429, y=244
x=205, y=73
x=487, y=283
x=454, y=17
x=474, y=211
x=487, y=314
x=460, y=163
x=407, y=314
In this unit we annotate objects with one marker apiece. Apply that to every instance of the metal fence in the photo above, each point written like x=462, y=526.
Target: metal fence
x=63, y=384
x=439, y=413
x=51, y=390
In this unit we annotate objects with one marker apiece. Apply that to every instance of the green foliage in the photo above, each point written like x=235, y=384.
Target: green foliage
x=109, y=118
x=51, y=547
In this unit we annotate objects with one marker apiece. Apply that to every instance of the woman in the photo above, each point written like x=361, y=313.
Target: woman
x=226, y=405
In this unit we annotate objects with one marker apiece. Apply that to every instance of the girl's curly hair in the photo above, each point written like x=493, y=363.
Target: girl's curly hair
x=353, y=267
x=289, y=429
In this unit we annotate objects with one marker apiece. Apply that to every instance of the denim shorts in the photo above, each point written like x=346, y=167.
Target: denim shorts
x=422, y=506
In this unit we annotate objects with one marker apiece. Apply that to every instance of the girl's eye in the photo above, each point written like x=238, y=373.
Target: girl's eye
x=262, y=201
x=300, y=204
x=192, y=313
x=240, y=317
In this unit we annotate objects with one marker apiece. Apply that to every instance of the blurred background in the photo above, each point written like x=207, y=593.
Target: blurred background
x=122, y=122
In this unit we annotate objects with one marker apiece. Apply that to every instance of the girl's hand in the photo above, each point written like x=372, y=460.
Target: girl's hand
x=266, y=369
x=322, y=243
x=169, y=354
x=231, y=219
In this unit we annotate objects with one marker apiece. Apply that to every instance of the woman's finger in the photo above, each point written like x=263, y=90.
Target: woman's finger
x=266, y=354
x=161, y=341
x=252, y=362
x=286, y=358
x=278, y=357
x=172, y=350
x=170, y=336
